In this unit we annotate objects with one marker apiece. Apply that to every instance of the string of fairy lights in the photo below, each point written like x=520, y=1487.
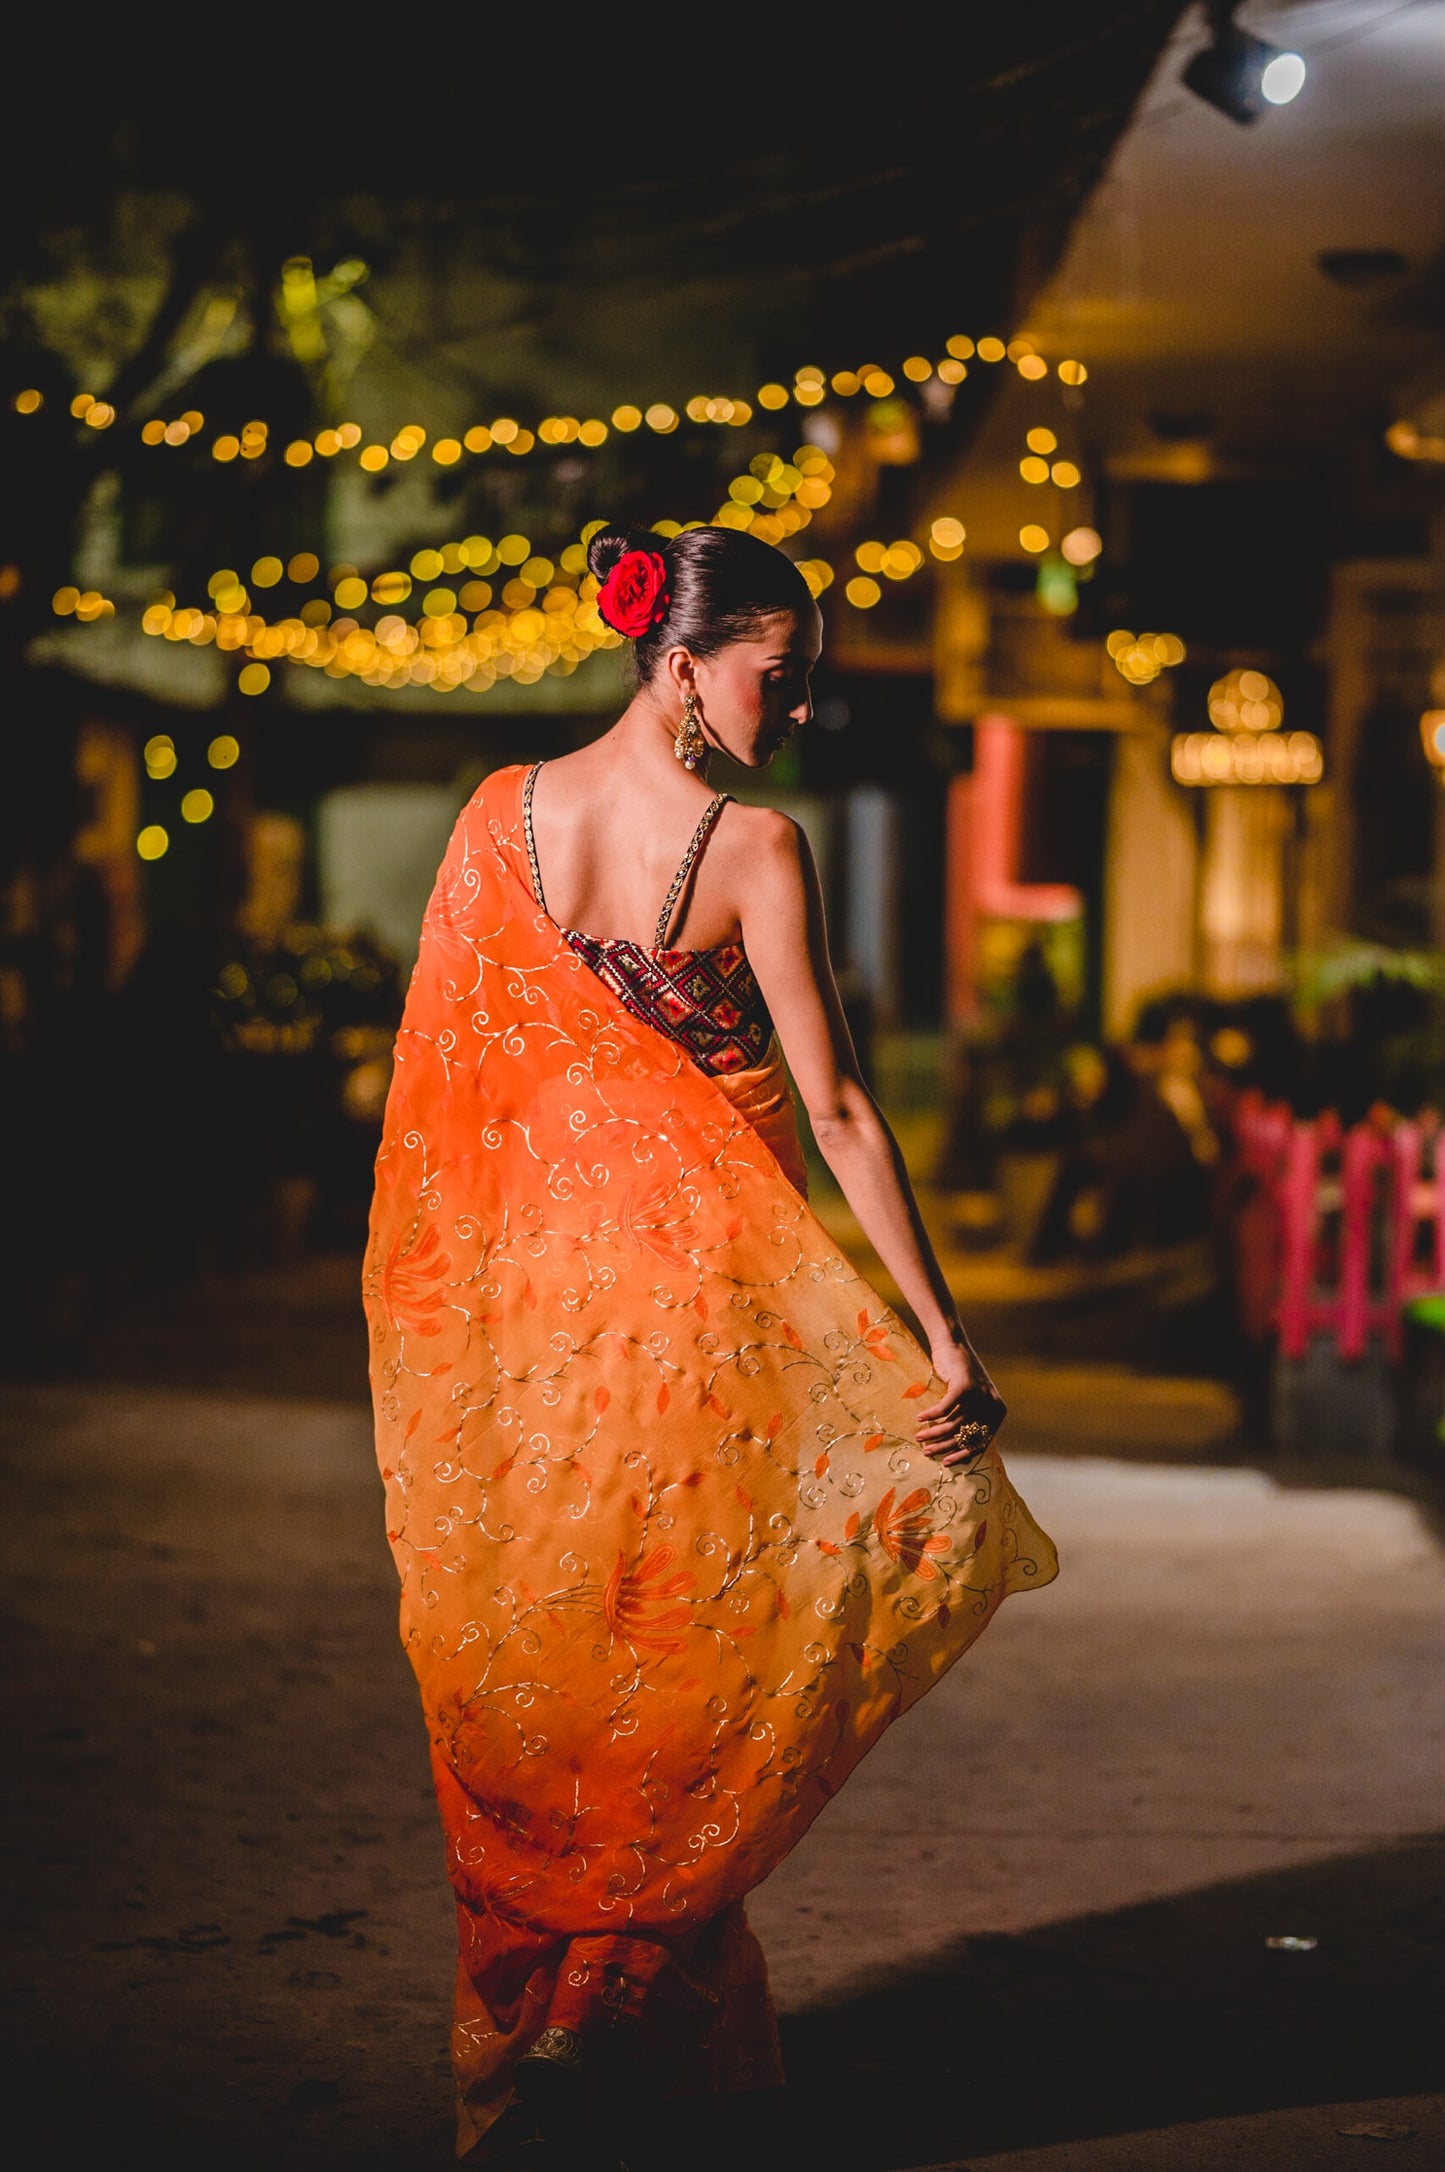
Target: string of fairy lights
x=769, y=500
x=810, y=387
x=484, y=609
x=773, y=499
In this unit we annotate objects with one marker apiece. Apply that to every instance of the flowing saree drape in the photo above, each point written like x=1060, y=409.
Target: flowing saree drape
x=671, y=1559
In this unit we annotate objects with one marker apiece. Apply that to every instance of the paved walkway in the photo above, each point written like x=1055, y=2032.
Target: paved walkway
x=1401, y=2132
x=1032, y=1932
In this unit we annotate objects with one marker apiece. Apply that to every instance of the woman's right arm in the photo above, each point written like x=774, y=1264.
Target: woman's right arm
x=785, y=935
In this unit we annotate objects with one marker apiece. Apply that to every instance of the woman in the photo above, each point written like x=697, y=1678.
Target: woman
x=684, y=1514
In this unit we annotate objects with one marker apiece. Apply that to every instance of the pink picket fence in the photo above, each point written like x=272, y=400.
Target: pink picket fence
x=1334, y=1231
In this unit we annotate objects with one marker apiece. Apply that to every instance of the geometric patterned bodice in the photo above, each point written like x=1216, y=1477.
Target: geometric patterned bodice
x=709, y=1001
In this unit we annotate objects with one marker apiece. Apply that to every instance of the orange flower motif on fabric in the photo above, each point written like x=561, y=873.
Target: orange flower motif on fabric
x=636, y=1605
x=875, y=1339
x=904, y=1535
x=410, y=1283
x=646, y=1220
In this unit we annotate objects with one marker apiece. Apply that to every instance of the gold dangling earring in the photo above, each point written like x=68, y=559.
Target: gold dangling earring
x=689, y=746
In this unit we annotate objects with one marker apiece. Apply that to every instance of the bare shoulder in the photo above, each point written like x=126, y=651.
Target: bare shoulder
x=763, y=837
x=769, y=875
x=575, y=774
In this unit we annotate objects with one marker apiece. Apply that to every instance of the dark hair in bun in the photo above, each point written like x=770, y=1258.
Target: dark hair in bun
x=722, y=584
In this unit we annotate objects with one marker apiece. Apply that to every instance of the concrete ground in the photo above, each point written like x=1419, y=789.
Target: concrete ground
x=1033, y=1931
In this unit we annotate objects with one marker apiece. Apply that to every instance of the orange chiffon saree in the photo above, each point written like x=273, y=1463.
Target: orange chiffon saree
x=671, y=1560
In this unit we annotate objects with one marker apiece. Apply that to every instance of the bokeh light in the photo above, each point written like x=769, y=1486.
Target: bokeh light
x=1245, y=701
x=1081, y=546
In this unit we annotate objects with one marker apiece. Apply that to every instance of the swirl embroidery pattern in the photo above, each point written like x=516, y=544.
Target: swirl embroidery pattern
x=671, y=1559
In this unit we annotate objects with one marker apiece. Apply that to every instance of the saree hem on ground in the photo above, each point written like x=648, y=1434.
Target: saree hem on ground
x=671, y=1559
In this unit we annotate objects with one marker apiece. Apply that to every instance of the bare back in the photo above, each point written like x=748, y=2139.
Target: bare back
x=610, y=838
x=611, y=826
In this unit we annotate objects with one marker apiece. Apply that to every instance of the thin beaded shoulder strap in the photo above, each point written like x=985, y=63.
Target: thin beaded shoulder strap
x=531, y=779
x=699, y=839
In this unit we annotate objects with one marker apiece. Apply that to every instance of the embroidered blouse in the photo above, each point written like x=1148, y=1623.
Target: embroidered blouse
x=708, y=1000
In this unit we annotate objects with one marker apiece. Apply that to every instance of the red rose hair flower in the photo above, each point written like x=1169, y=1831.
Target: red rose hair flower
x=634, y=597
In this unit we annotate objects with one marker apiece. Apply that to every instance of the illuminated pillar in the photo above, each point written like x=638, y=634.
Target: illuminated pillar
x=1242, y=902
x=984, y=833
x=960, y=932
x=871, y=906
x=1150, y=871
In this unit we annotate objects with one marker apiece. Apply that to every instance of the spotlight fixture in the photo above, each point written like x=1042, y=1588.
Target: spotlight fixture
x=1240, y=74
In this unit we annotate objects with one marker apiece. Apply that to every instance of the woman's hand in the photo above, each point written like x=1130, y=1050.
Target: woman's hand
x=970, y=1400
